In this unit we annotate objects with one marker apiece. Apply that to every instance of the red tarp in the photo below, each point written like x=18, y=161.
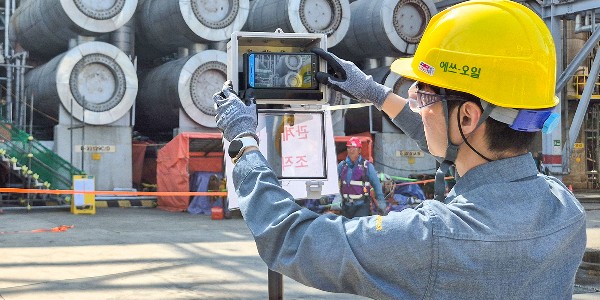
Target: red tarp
x=138, y=152
x=175, y=163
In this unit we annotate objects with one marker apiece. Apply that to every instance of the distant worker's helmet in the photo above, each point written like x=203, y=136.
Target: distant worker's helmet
x=354, y=142
x=497, y=50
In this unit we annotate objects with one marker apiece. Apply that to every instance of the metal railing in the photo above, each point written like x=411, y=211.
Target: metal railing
x=579, y=82
x=40, y=160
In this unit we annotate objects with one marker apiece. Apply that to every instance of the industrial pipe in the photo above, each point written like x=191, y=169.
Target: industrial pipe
x=384, y=28
x=44, y=28
x=330, y=17
x=165, y=26
x=95, y=82
x=184, y=84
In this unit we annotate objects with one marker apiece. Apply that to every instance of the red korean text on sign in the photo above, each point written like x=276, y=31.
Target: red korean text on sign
x=299, y=132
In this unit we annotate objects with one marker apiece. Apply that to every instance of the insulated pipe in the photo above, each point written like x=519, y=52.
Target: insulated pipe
x=355, y=118
x=95, y=73
x=337, y=116
x=45, y=27
x=18, y=98
x=124, y=37
x=6, y=21
x=330, y=17
x=589, y=19
x=188, y=84
x=164, y=26
x=384, y=28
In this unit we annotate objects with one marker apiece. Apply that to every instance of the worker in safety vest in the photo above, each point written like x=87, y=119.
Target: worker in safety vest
x=486, y=72
x=357, y=178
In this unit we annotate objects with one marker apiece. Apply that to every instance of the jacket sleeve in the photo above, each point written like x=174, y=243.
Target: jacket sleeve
x=299, y=243
x=411, y=124
x=376, y=185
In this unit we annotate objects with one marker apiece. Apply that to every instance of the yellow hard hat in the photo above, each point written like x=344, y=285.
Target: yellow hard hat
x=497, y=50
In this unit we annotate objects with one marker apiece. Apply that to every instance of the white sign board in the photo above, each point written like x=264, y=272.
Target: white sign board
x=84, y=185
x=299, y=147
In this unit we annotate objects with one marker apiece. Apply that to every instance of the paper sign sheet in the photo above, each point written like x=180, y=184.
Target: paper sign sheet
x=302, y=148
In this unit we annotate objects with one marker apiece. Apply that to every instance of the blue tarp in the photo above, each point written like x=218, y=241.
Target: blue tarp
x=201, y=204
x=409, y=190
x=406, y=196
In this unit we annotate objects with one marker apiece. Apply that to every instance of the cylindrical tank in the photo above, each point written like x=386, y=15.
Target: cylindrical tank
x=124, y=37
x=94, y=75
x=575, y=42
x=338, y=115
x=384, y=28
x=164, y=26
x=44, y=28
x=356, y=119
x=187, y=83
x=331, y=17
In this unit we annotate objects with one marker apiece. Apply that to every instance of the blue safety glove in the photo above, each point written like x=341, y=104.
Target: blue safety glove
x=350, y=80
x=234, y=117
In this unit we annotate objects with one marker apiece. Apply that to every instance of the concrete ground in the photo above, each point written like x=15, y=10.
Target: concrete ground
x=588, y=277
x=133, y=253
x=593, y=225
x=146, y=253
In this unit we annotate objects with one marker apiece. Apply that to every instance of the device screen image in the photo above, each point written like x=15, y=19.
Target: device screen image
x=281, y=70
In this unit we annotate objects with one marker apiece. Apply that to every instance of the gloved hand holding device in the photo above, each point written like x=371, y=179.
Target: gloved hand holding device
x=350, y=80
x=234, y=117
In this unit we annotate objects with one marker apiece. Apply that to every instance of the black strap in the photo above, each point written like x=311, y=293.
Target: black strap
x=462, y=134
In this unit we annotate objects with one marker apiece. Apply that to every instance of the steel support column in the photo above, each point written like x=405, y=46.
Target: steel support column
x=581, y=108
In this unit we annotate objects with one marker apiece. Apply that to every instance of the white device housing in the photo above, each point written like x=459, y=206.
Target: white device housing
x=313, y=145
x=278, y=41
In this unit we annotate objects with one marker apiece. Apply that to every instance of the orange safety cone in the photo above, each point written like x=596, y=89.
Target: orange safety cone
x=571, y=188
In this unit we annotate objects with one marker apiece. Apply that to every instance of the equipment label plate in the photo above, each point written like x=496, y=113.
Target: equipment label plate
x=95, y=148
x=411, y=153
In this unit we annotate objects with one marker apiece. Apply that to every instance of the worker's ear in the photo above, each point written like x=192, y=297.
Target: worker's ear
x=469, y=115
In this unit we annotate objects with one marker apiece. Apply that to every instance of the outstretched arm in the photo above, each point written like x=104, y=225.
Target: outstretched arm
x=377, y=188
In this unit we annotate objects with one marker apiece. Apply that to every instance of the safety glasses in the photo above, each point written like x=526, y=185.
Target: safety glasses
x=427, y=98
x=424, y=98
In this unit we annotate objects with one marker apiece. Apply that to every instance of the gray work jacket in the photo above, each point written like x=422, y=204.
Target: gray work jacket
x=504, y=232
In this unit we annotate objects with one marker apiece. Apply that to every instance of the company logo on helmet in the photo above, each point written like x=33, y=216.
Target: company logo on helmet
x=427, y=69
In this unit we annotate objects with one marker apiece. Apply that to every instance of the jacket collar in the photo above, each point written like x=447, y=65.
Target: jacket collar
x=503, y=170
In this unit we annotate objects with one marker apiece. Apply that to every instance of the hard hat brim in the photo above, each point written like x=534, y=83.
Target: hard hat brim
x=403, y=67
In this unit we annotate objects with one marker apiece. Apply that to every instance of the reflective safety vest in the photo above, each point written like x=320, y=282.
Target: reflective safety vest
x=359, y=186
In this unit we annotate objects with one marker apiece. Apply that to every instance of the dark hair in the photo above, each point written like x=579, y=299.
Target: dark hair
x=500, y=136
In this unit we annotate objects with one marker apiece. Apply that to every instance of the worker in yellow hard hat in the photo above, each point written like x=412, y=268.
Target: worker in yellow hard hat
x=486, y=78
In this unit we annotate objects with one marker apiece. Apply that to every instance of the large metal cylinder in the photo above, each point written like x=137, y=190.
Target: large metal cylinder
x=384, y=28
x=187, y=83
x=164, y=26
x=331, y=17
x=94, y=75
x=45, y=27
x=124, y=37
x=355, y=118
